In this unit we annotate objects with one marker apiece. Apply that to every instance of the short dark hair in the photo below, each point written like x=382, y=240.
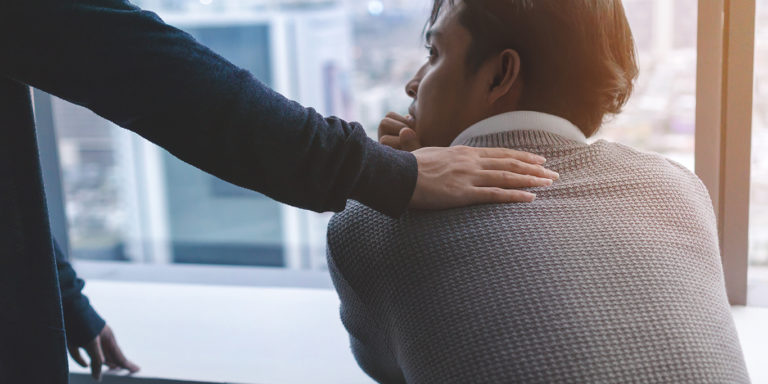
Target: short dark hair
x=578, y=56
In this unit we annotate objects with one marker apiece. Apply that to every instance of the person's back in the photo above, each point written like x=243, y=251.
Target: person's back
x=612, y=275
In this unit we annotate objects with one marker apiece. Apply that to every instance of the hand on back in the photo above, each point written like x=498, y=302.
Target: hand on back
x=460, y=176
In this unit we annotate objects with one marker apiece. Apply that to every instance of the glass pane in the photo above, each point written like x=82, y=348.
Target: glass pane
x=661, y=115
x=128, y=200
x=758, y=215
x=90, y=178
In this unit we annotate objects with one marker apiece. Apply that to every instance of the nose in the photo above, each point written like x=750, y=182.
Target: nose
x=412, y=87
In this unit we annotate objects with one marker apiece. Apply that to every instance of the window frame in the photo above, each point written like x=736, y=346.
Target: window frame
x=50, y=166
x=724, y=92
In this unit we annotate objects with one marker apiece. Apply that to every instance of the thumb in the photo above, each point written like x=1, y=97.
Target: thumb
x=409, y=140
x=74, y=351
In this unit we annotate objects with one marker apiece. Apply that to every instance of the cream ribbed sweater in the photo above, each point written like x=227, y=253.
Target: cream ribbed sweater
x=612, y=275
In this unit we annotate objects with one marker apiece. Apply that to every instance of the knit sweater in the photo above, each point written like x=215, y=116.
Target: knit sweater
x=612, y=275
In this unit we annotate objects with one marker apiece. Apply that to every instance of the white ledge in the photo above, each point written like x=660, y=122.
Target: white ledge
x=224, y=334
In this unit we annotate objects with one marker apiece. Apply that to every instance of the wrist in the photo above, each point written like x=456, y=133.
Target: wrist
x=388, y=179
x=82, y=323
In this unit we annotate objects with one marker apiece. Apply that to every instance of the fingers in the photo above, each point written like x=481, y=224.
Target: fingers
x=501, y=196
x=460, y=176
x=114, y=355
x=392, y=124
x=407, y=120
x=97, y=357
x=520, y=167
x=504, y=153
x=390, y=127
x=509, y=180
x=74, y=351
x=396, y=131
x=130, y=366
x=409, y=141
x=390, y=141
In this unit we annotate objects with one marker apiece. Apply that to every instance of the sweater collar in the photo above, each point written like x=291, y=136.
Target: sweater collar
x=522, y=121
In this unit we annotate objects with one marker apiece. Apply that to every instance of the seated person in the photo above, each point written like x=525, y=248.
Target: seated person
x=611, y=275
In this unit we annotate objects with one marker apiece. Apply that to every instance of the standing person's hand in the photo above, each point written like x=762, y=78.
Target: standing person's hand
x=459, y=176
x=103, y=349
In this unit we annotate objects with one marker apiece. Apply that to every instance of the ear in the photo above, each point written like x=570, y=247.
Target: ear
x=506, y=72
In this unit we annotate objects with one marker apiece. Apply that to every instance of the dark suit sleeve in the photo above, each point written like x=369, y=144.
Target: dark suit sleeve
x=128, y=66
x=81, y=321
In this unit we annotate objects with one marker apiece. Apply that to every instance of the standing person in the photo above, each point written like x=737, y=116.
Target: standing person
x=85, y=329
x=128, y=66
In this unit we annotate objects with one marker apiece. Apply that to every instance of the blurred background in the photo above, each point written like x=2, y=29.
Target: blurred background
x=127, y=200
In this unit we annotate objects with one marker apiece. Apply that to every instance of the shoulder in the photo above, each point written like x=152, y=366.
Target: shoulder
x=658, y=172
x=359, y=224
x=358, y=229
x=363, y=247
x=362, y=241
x=646, y=162
x=355, y=218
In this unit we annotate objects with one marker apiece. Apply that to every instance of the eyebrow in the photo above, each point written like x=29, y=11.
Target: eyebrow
x=432, y=33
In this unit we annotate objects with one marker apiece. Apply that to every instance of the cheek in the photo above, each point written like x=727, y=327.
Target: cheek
x=441, y=106
x=431, y=101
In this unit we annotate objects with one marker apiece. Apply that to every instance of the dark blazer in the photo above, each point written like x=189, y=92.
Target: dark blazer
x=81, y=322
x=126, y=65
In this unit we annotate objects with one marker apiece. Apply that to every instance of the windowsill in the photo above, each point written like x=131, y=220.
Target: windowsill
x=197, y=274
x=753, y=335
x=224, y=334
x=757, y=286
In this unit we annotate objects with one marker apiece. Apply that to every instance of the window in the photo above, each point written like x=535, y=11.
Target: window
x=660, y=116
x=128, y=200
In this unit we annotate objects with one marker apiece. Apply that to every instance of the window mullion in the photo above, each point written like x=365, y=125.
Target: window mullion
x=724, y=125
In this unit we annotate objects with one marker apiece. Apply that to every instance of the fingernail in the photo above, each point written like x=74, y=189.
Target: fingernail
x=541, y=160
x=555, y=175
